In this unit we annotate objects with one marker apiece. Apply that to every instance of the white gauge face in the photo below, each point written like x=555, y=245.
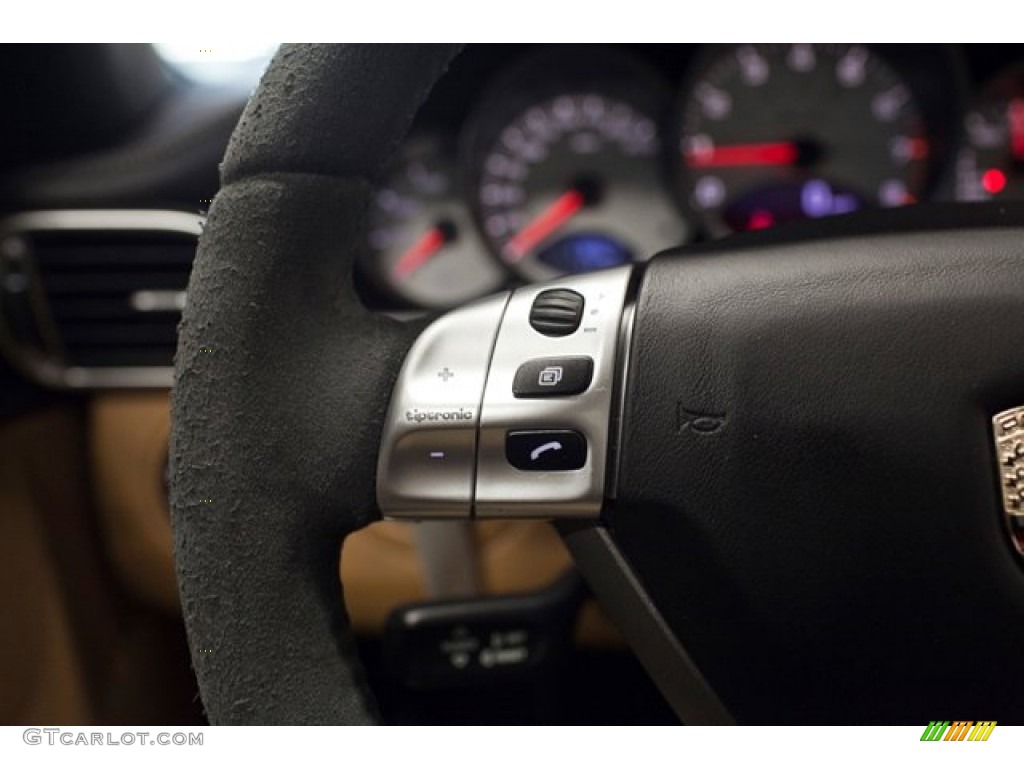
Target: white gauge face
x=575, y=184
x=424, y=245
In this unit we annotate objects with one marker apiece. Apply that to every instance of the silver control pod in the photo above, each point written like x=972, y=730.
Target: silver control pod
x=502, y=407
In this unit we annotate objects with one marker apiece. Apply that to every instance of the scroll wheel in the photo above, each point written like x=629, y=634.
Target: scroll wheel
x=556, y=312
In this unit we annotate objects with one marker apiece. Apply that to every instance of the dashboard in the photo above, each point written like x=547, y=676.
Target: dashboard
x=531, y=162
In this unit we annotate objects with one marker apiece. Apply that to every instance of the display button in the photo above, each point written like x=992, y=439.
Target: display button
x=553, y=377
x=546, y=450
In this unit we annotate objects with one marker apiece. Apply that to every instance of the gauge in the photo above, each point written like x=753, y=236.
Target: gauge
x=772, y=133
x=574, y=180
x=424, y=245
x=991, y=163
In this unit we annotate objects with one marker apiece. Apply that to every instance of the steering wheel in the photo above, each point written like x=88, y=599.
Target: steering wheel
x=798, y=459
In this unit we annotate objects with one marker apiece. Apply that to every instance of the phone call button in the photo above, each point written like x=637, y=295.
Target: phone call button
x=546, y=450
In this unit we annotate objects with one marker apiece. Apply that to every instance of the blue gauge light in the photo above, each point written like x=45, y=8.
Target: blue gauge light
x=585, y=252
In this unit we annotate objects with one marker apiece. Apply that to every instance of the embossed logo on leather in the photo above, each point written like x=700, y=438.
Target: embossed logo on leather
x=700, y=422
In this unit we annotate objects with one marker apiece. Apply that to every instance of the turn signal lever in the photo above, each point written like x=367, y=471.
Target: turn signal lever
x=462, y=643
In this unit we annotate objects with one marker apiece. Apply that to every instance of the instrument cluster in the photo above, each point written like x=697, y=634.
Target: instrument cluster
x=535, y=162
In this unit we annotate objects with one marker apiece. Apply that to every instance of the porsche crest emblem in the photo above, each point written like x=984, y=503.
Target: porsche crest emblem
x=1008, y=429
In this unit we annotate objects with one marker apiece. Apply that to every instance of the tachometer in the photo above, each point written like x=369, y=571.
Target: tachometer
x=424, y=245
x=771, y=133
x=574, y=180
x=991, y=163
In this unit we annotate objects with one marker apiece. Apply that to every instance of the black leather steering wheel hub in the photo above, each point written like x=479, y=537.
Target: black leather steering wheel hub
x=828, y=541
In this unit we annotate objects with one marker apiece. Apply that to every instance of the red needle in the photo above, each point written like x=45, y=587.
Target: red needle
x=1015, y=114
x=420, y=252
x=547, y=221
x=775, y=153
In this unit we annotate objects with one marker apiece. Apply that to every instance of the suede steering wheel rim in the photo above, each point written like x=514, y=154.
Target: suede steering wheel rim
x=281, y=382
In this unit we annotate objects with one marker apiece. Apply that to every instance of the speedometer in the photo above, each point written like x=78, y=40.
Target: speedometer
x=772, y=133
x=574, y=180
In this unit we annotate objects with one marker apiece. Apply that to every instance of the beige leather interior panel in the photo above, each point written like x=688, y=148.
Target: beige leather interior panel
x=381, y=567
x=75, y=648
x=128, y=441
x=40, y=668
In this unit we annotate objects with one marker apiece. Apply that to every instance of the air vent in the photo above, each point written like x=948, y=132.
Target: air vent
x=93, y=298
